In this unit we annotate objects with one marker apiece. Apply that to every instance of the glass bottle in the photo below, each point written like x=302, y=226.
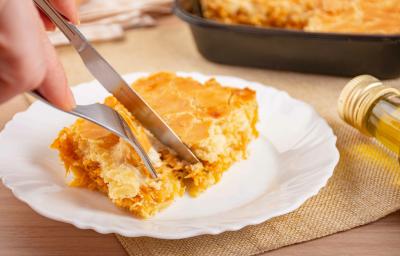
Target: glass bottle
x=373, y=108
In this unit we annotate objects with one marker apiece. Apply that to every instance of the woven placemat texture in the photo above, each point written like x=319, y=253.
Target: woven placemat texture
x=364, y=187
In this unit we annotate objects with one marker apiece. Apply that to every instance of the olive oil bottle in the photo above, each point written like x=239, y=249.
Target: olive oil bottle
x=373, y=108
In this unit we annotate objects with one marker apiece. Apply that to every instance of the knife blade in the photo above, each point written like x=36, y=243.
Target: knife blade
x=116, y=85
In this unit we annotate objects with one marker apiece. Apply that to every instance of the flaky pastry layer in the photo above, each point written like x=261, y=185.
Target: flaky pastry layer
x=216, y=122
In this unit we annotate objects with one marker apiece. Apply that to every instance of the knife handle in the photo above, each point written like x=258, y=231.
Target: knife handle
x=69, y=30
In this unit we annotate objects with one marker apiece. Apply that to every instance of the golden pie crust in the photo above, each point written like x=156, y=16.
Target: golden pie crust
x=216, y=122
x=341, y=16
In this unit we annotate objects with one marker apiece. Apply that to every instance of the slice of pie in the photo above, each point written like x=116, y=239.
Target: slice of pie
x=216, y=122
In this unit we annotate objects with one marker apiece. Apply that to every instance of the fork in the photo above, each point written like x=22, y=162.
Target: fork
x=117, y=86
x=109, y=119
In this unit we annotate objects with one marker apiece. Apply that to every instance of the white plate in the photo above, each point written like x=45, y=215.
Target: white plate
x=290, y=162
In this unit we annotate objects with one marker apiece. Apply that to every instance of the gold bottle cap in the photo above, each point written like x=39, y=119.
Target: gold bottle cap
x=357, y=98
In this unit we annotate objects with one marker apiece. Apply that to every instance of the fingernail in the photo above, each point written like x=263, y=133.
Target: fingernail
x=70, y=99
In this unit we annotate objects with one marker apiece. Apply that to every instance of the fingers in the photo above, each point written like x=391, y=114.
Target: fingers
x=54, y=86
x=21, y=64
x=27, y=59
x=67, y=8
x=47, y=22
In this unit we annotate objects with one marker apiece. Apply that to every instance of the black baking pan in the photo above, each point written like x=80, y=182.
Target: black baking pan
x=286, y=49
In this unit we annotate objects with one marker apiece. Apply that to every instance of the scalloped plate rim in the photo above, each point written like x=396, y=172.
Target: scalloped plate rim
x=198, y=231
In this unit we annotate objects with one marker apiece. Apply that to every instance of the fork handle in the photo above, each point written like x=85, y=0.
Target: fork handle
x=87, y=112
x=69, y=30
x=36, y=94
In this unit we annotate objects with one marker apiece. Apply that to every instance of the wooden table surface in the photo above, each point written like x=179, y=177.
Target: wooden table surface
x=24, y=232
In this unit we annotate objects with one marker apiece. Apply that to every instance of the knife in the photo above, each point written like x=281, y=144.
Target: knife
x=116, y=85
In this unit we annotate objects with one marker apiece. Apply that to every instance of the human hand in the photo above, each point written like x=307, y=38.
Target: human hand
x=28, y=61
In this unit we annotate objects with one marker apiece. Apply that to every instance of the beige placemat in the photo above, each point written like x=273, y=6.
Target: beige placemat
x=364, y=187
